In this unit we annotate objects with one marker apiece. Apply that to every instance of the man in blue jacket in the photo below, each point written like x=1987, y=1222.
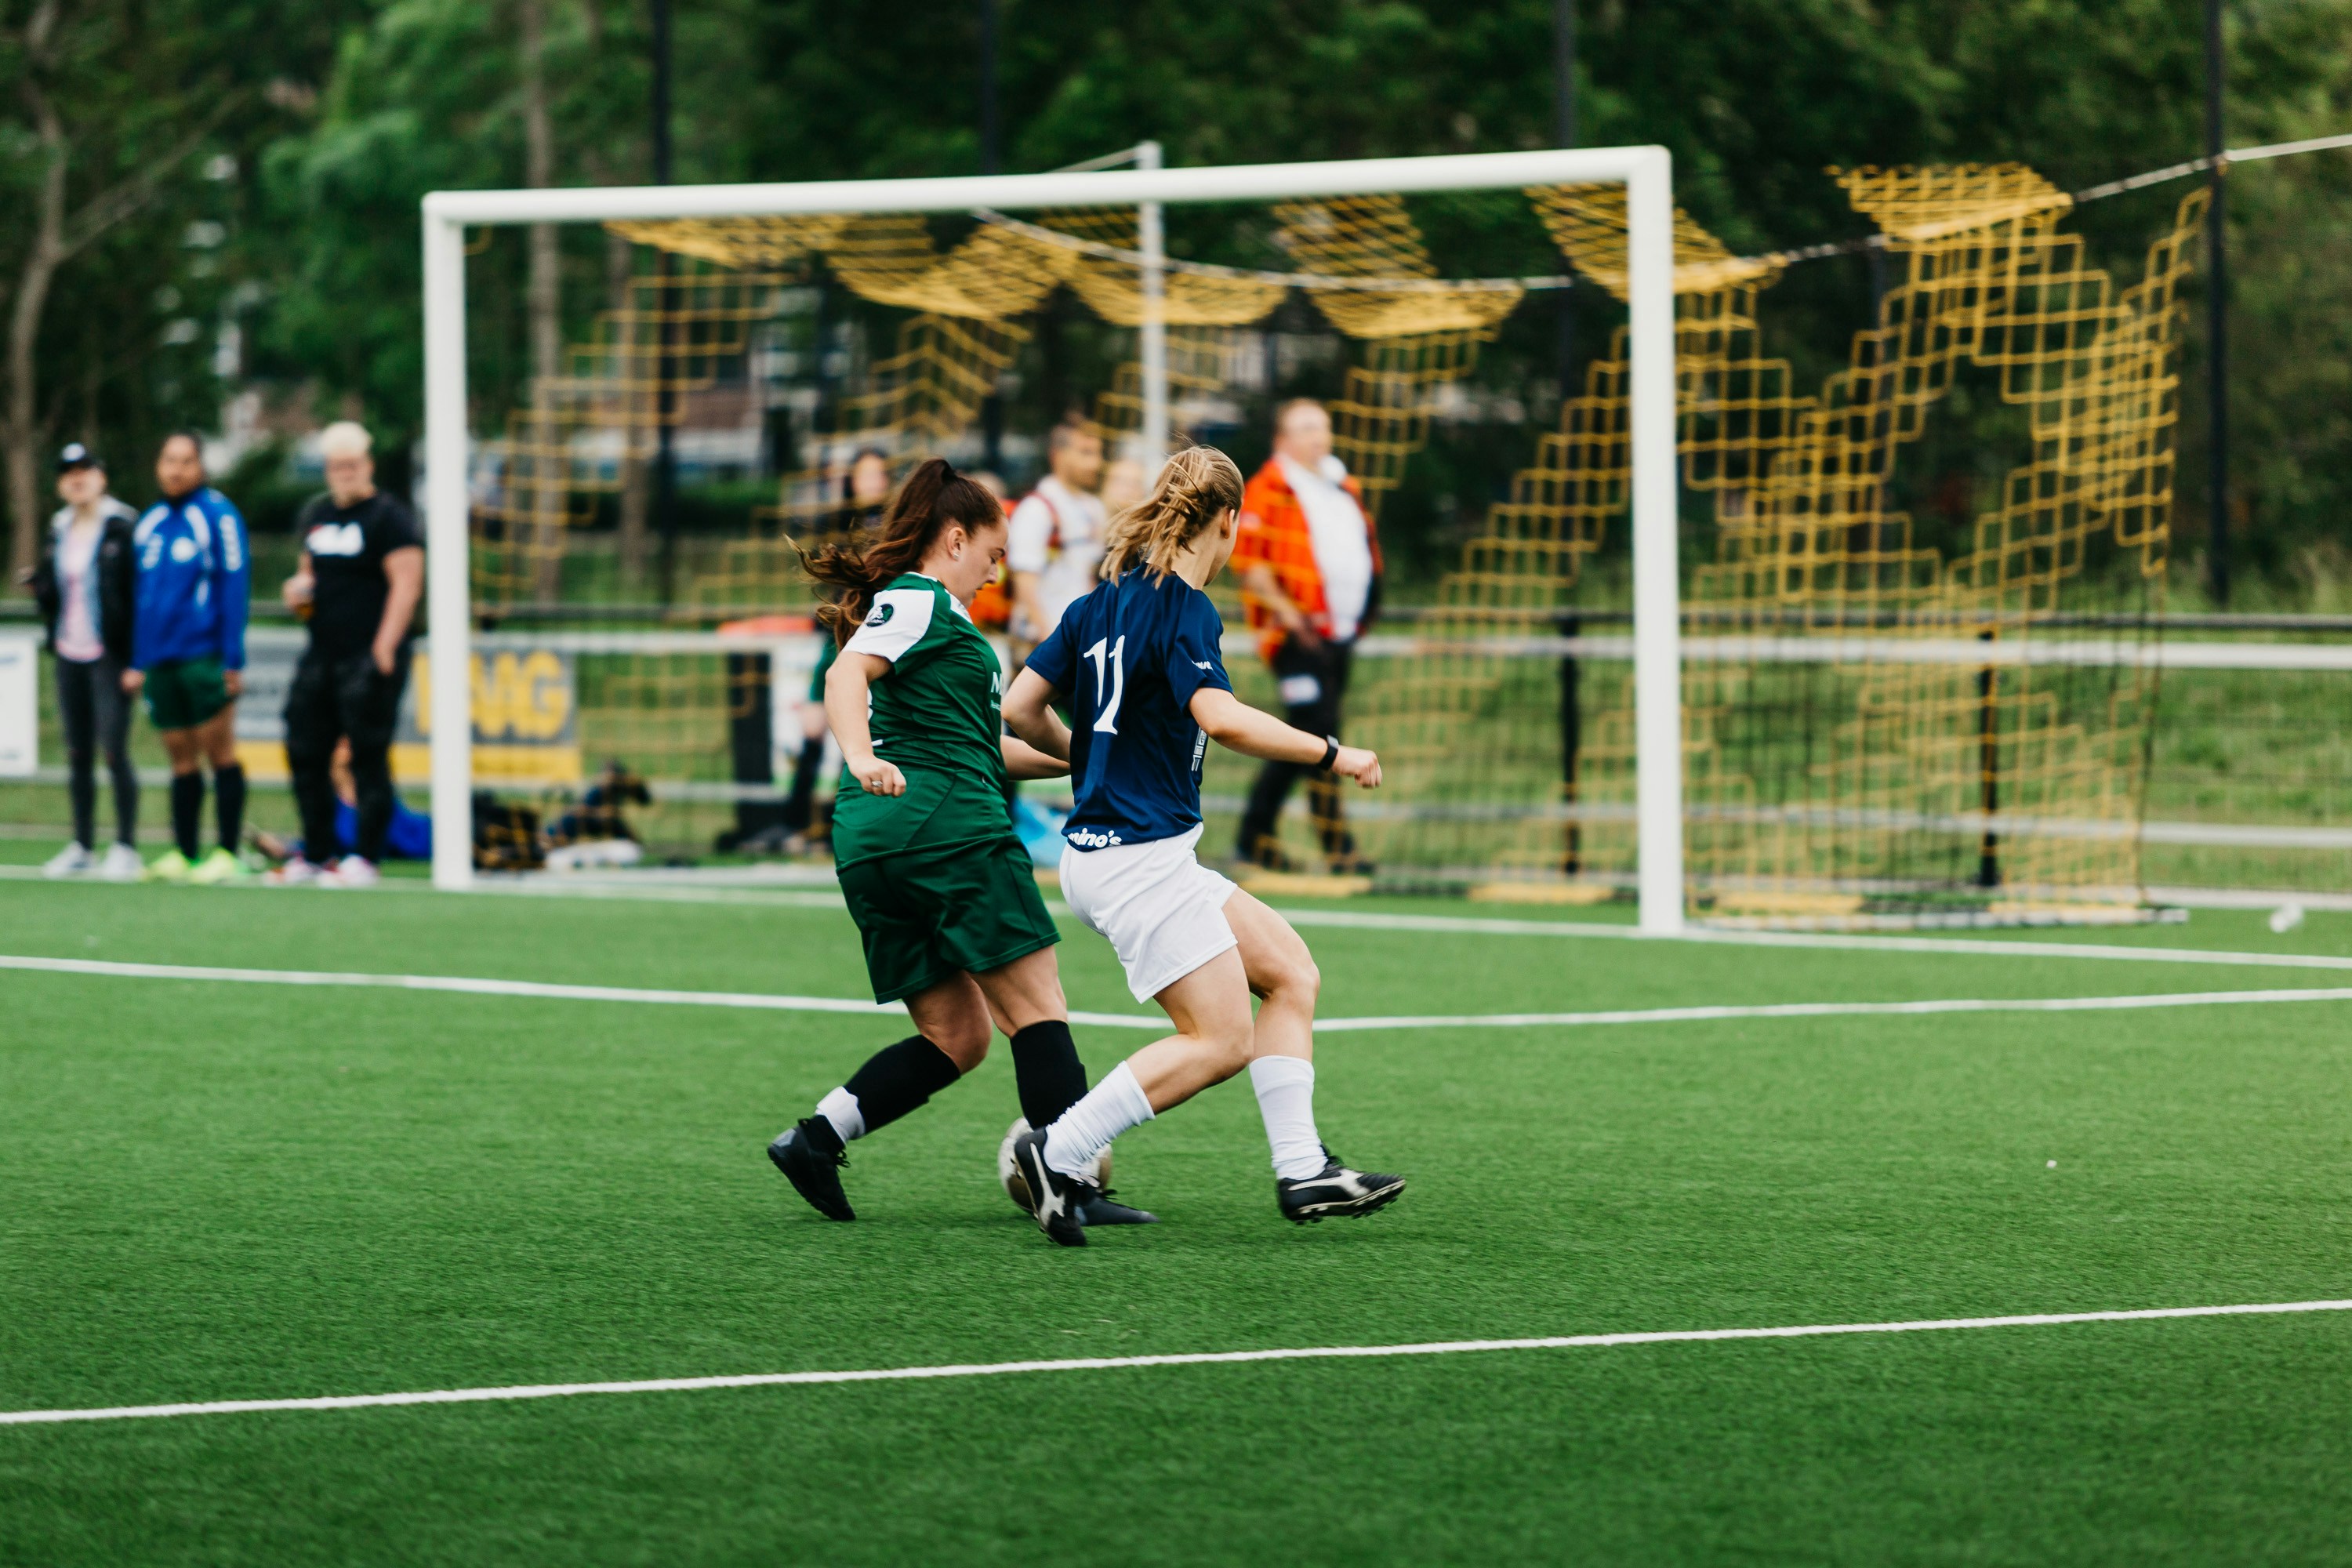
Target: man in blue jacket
x=187, y=652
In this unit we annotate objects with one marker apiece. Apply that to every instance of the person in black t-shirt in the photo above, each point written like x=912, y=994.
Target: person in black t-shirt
x=363, y=570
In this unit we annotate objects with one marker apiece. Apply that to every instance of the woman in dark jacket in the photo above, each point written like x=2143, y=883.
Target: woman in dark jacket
x=86, y=584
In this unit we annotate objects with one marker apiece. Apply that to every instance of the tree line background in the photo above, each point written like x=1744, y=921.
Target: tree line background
x=171, y=166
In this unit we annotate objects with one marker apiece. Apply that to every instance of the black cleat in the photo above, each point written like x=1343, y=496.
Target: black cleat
x=811, y=1157
x=1335, y=1191
x=1099, y=1210
x=1058, y=1197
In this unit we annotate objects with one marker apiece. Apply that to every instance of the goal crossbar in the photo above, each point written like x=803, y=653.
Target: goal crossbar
x=1646, y=173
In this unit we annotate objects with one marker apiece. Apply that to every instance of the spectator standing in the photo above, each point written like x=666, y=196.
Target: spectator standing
x=1054, y=545
x=87, y=583
x=195, y=576
x=1310, y=565
x=362, y=573
x=864, y=491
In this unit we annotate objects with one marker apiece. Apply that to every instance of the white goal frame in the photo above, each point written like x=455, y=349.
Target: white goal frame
x=1646, y=173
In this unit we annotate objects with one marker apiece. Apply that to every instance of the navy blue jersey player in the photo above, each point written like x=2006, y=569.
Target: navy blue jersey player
x=1137, y=661
x=1129, y=655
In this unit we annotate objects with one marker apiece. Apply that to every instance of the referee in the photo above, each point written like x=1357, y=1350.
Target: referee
x=363, y=570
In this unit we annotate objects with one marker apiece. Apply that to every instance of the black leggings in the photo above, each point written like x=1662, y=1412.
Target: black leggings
x=97, y=717
x=343, y=699
x=1314, y=683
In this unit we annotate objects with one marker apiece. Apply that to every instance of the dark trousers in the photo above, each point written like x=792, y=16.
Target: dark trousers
x=1314, y=682
x=97, y=716
x=345, y=699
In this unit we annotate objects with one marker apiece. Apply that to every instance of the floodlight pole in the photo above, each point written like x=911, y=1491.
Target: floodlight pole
x=448, y=529
x=1647, y=173
x=1151, y=238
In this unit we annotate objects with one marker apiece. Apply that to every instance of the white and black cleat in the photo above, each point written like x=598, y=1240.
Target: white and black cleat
x=1057, y=1199
x=1335, y=1191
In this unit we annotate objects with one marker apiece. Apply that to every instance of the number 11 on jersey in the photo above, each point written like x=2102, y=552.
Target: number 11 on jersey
x=1110, y=687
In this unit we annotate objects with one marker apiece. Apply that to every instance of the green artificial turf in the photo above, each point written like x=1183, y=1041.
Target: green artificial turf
x=212, y=1191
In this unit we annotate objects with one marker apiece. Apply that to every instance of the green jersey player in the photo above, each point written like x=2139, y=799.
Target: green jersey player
x=938, y=883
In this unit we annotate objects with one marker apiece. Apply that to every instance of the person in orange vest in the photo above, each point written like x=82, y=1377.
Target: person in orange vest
x=1310, y=564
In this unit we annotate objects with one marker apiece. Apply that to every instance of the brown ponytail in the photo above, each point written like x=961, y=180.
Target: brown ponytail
x=933, y=497
x=1196, y=484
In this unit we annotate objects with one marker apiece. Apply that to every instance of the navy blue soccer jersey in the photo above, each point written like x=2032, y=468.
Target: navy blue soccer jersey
x=1129, y=656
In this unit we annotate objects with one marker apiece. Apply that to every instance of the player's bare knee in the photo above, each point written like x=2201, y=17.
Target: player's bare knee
x=1293, y=979
x=1229, y=1043
x=965, y=1046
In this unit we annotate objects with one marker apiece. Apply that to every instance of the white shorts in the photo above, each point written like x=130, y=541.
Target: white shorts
x=1163, y=912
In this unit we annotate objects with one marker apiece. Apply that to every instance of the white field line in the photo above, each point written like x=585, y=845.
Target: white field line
x=1832, y=1010
x=1979, y=947
x=1470, y=925
x=473, y=985
x=766, y=1001
x=1111, y=1363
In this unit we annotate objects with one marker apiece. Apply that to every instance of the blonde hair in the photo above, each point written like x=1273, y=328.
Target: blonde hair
x=345, y=438
x=1193, y=487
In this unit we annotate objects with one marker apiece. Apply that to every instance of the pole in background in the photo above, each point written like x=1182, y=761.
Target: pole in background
x=992, y=407
x=665, y=371
x=1571, y=717
x=1153, y=240
x=1657, y=573
x=1563, y=134
x=448, y=524
x=2217, y=308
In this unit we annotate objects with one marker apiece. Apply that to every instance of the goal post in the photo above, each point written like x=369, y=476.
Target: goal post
x=1645, y=172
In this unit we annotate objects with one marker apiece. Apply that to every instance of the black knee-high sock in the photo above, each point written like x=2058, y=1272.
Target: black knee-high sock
x=898, y=1078
x=187, y=810
x=1046, y=1070
x=228, y=787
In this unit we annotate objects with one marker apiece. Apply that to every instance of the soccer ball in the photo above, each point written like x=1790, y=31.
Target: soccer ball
x=1016, y=1186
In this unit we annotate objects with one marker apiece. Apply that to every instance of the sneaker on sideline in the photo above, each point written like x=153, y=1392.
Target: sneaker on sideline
x=352, y=871
x=220, y=865
x=169, y=866
x=295, y=873
x=73, y=860
x=122, y=863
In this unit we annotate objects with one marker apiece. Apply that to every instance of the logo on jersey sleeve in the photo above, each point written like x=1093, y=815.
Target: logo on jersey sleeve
x=881, y=616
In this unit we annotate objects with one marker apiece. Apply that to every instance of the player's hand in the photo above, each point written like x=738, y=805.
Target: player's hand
x=297, y=590
x=1357, y=763
x=233, y=682
x=387, y=654
x=132, y=679
x=878, y=777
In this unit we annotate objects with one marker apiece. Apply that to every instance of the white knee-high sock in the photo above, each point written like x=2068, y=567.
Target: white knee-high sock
x=1286, y=1098
x=1087, y=1129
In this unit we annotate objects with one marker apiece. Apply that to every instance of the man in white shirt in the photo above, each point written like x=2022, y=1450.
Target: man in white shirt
x=1054, y=543
x=1310, y=565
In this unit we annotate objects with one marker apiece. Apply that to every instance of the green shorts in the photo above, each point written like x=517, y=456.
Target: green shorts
x=182, y=693
x=931, y=909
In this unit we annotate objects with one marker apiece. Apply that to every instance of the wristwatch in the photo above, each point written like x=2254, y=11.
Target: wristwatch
x=1330, y=753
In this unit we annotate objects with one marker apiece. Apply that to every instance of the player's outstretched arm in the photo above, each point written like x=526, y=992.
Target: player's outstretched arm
x=1238, y=726
x=1024, y=760
x=1029, y=713
x=848, y=687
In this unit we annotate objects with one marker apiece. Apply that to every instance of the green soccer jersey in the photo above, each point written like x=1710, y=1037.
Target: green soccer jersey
x=935, y=714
